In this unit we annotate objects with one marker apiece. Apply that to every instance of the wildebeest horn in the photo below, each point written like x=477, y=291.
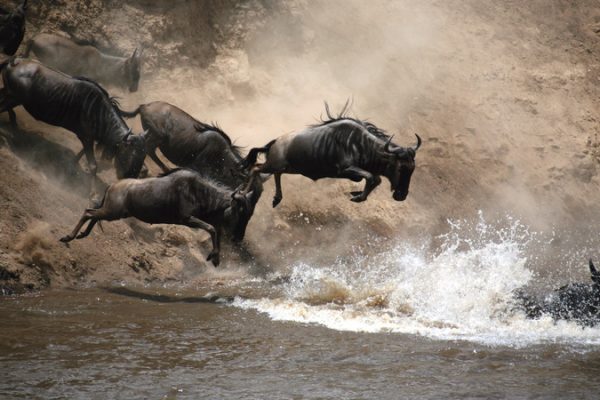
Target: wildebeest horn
x=237, y=195
x=386, y=148
x=593, y=269
x=419, y=141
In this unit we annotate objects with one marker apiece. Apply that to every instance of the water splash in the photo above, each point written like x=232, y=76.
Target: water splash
x=464, y=291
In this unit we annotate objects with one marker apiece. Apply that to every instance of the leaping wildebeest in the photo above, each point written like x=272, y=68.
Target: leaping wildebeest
x=12, y=29
x=181, y=197
x=187, y=142
x=78, y=105
x=339, y=147
x=77, y=59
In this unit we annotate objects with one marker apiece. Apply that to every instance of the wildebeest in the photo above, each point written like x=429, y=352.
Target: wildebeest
x=12, y=29
x=85, y=60
x=76, y=104
x=187, y=142
x=181, y=197
x=579, y=302
x=339, y=147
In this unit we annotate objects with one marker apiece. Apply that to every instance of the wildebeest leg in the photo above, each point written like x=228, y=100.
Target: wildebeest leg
x=87, y=215
x=278, y=194
x=88, y=230
x=356, y=174
x=12, y=117
x=7, y=104
x=79, y=155
x=88, y=149
x=196, y=223
x=254, y=175
x=154, y=157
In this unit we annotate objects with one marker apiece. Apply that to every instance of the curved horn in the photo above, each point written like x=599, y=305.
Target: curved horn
x=386, y=148
x=127, y=135
x=419, y=141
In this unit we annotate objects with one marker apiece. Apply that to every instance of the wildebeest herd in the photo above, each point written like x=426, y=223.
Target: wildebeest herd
x=214, y=187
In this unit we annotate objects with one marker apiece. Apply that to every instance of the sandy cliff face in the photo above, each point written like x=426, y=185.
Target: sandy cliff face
x=505, y=96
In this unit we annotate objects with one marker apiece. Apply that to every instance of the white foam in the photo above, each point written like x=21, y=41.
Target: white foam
x=464, y=292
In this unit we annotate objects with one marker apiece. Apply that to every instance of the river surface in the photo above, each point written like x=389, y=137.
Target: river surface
x=401, y=324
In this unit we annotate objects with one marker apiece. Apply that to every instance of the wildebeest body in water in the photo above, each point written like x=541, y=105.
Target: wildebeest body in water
x=579, y=302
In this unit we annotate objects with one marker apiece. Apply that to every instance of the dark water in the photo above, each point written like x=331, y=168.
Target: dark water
x=98, y=344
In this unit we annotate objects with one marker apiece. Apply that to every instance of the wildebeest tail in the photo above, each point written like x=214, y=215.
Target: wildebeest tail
x=130, y=114
x=253, y=155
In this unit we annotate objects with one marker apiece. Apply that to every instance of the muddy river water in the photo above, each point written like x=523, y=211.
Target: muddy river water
x=403, y=324
x=97, y=344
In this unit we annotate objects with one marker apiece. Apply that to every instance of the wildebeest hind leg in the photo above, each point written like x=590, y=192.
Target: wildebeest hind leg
x=196, y=223
x=356, y=174
x=254, y=175
x=87, y=230
x=278, y=193
x=7, y=104
x=87, y=215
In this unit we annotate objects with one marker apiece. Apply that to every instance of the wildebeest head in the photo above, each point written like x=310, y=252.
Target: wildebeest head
x=130, y=154
x=238, y=214
x=400, y=167
x=132, y=70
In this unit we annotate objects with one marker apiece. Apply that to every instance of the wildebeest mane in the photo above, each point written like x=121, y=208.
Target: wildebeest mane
x=113, y=100
x=202, y=127
x=206, y=179
x=172, y=171
x=343, y=115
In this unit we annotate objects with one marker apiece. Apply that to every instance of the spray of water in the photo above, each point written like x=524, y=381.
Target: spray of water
x=464, y=291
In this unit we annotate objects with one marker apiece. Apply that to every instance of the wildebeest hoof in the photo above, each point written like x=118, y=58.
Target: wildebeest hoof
x=214, y=257
x=276, y=200
x=81, y=236
x=66, y=239
x=358, y=198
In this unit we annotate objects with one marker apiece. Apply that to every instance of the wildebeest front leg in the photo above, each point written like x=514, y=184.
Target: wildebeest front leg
x=213, y=256
x=154, y=157
x=356, y=174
